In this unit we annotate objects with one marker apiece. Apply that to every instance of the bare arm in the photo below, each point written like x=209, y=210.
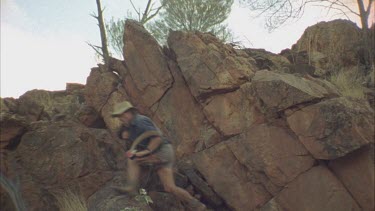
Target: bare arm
x=153, y=145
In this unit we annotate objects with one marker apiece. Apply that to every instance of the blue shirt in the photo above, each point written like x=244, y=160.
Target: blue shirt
x=138, y=126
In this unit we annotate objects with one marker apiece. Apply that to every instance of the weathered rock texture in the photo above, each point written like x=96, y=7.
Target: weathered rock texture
x=329, y=46
x=248, y=134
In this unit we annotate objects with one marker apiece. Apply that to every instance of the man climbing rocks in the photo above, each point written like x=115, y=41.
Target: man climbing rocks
x=151, y=147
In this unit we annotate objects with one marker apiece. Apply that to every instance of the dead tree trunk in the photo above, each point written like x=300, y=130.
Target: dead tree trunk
x=103, y=35
x=367, y=42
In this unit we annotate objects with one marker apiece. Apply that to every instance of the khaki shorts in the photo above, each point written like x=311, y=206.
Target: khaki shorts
x=164, y=157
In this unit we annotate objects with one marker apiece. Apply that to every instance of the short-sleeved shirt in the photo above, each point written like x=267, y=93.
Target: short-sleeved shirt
x=141, y=124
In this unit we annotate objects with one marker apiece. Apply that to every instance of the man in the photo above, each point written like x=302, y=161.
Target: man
x=152, y=147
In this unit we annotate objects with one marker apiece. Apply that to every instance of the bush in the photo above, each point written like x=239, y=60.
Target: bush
x=68, y=201
x=350, y=83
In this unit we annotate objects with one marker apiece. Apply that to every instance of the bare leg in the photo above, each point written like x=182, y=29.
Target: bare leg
x=133, y=175
x=166, y=177
x=133, y=172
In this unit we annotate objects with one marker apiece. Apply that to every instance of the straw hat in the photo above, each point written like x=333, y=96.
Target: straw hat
x=121, y=107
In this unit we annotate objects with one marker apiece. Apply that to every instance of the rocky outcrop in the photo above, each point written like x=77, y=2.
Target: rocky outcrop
x=325, y=193
x=333, y=128
x=59, y=156
x=146, y=80
x=358, y=164
x=249, y=133
x=278, y=92
x=208, y=66
x=329, y=45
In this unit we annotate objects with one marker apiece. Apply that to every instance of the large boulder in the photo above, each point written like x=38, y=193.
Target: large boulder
x=279, y=91
x=271, y=155
x=316, y=189
x=334, y=128
x=52, y=157
x=356, y=172
x=182, y=118
x=256, y=165
x=229, y=178
x=49, y=105
x=231, y=113
x=148, y=76
x=208, y=66
x=100, y=84
x=330, y=45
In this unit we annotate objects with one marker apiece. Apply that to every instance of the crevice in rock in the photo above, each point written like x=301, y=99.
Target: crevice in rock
x=191, y=94
x=165, y=92
x=108, y=97
x=297, y=107
x=212, y=92
x=248, y=170
x=14, y=142
x=343, y=184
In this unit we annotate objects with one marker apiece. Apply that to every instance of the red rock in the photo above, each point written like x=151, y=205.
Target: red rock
x=208, y=66
x=279, y=91
x=232, y=113
x=356, y=172
x=148, y=76
x=99, y=86
x=229, y=178
x=316, y=189
x=334, y=128
x=271, y=155
x=65, y=154
x=182, y=119
x=331, y=45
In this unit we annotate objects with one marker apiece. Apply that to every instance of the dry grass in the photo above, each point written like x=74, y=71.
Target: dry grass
x=69, y=201
x=349, y=83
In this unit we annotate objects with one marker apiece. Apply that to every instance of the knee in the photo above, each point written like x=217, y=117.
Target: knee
x=169, y=188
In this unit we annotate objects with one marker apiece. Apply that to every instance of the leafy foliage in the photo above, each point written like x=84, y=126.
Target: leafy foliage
x=192, y=15
x=115, y=30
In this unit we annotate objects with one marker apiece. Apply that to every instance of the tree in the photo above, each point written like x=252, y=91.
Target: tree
x=277, y=12
x=101, y=50
x=115, y=28
x=192, y=15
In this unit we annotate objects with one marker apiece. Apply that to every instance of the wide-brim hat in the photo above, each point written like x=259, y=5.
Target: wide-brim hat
x=122, y=107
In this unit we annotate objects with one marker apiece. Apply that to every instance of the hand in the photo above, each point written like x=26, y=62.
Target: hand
x=142, y=153
x=131, y=154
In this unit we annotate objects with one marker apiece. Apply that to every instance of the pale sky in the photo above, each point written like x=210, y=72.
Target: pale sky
x=43, y=42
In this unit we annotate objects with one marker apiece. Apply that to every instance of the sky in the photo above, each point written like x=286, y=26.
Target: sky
x=44, y=42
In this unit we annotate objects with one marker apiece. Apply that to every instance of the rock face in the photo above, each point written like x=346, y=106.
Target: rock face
x=325, y=193
x=248, y=134
x=330, y=45
x=207, y=65
x=333, y=128
x=358, y=164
